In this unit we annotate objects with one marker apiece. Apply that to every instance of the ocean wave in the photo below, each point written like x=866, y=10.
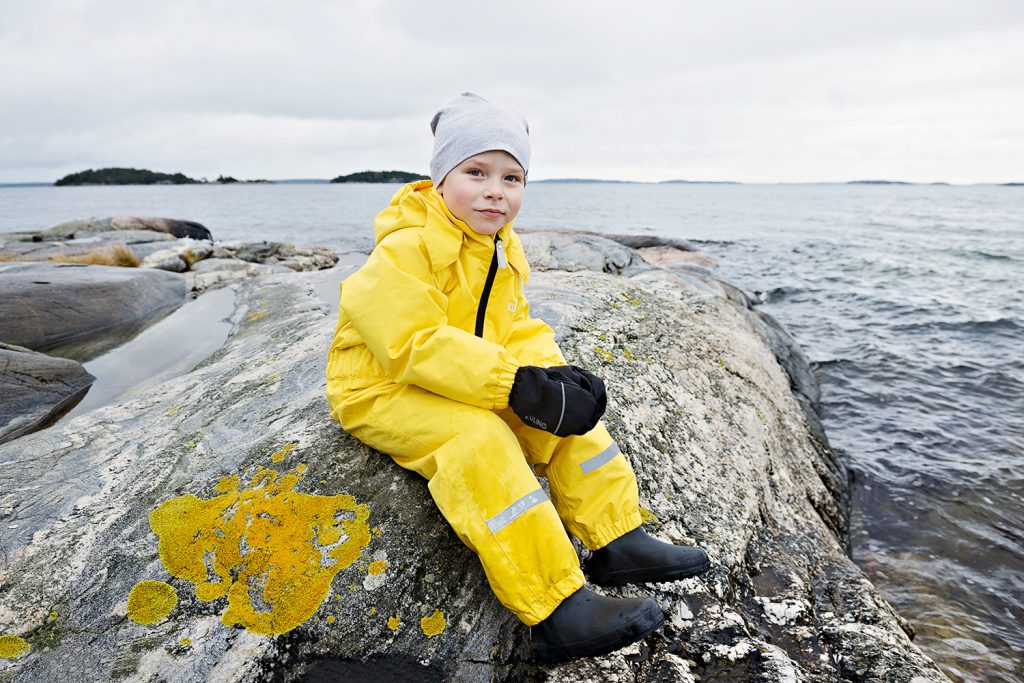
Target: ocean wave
x=988, y=256
x=996, y=326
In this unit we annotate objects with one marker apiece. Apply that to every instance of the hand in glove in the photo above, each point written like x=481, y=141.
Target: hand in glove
x=562, y=400
x=587, y=380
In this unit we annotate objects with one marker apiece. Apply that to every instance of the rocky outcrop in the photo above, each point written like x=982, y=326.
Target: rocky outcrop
x=291, y=256
x=213, y=273
x=79, y=311
x=179, y=256
x=37, y=389
x=141, y=242
x=170, y=226
x=222, y=527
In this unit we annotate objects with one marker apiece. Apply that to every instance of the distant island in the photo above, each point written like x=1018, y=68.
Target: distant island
x=879, y=182
x=379, y=177
x=125, y=176
x=141, y=176
x=228, y=180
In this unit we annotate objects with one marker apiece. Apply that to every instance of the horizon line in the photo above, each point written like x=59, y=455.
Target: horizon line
x=570, y=180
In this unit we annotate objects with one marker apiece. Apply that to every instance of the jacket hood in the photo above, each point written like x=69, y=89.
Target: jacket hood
x=418, y=205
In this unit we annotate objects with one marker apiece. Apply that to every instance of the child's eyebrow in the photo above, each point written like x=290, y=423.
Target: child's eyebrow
x=505, y=170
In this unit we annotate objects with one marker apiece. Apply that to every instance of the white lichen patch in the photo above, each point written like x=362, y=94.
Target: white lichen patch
x=680, y=616
x=372, y=582
x=784, y=611
x=734, y=653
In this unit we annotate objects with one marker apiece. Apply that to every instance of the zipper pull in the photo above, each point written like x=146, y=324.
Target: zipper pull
x=500, y=246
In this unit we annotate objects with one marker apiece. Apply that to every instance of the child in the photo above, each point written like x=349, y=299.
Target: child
x=437, y=362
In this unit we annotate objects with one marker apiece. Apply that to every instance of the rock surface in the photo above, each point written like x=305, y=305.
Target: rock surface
x=37, y=389
x=697, y=400
x=79, y=311
x=180, y=256
x=171, y=226
x=292, y=256
x=141, y=242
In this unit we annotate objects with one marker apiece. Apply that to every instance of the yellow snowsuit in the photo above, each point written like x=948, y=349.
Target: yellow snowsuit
x=408, y=376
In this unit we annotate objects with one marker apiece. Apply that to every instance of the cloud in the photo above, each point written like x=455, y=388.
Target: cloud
x=747, y=91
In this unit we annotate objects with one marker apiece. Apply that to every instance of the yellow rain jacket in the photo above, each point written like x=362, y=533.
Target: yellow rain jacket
x=420, y=368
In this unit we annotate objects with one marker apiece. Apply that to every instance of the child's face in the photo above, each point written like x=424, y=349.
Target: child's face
x=485, y=191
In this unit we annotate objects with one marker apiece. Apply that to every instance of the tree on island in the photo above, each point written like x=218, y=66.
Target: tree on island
x=124, y=176
x=379, y=177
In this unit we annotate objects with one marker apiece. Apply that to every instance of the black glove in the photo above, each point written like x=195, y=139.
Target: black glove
x=587, y=380
x=561, y=400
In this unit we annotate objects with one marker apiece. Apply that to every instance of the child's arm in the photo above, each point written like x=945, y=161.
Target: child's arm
x=532, y=341
x=401, y=315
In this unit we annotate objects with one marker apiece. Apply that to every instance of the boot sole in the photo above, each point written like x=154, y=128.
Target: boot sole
x=643, y=624
x=647, y=575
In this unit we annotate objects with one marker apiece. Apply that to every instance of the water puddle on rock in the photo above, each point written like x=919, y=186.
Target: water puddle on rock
x=167, y=349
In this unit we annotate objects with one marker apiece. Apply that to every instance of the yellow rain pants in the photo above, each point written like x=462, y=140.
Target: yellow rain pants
x=407, y=376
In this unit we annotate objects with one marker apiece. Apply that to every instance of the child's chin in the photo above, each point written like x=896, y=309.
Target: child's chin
x=489, y=229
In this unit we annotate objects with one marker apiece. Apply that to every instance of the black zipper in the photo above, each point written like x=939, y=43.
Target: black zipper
x=481, y=311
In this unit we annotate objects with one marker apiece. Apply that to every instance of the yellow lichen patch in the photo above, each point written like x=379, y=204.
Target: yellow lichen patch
x=377, y=567
x=151, y=601
x=373, y=610
x=433, y=624
x=631, y=299
x=330, y=619
x=604, y=355
x=272, y=551
x=173, y=410
x=11, y=646
x=648, y=517
x=185, y=642
x=377, y=532
x=228, y=484
x=394, y=622
x=285, y=450
x=52, y=616
x=257, y=315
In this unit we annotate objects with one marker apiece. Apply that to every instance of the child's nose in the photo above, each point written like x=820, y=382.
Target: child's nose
x=494, y=190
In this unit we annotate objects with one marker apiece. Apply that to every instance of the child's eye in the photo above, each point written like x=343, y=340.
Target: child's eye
x=513, y=179
x=475, y=171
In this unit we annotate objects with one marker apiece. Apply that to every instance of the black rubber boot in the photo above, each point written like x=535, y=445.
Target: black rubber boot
x=589, y=625
x=638, y=558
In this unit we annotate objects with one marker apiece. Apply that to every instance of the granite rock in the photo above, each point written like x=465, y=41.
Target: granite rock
x=37, y=389
x=697, y=401
x=80, y=311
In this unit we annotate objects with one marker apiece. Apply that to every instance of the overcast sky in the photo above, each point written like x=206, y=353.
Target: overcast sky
x=750, y=91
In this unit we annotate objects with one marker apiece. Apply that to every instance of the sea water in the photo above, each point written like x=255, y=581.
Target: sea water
x=907, y=299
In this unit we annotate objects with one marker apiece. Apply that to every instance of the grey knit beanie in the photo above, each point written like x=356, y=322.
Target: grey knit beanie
x=468, y=125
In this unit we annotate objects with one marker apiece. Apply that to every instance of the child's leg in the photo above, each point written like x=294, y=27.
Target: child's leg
x=481, y=482
x=592, y=484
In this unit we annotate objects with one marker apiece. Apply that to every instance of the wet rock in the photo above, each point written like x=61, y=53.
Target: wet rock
x=37, y=389
x=294, y=257
x=180, y=256
x=213, y=273
x=580, y=251
x=697, y=401
x=140, y=242
x=79, y=311
x=78, y=228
